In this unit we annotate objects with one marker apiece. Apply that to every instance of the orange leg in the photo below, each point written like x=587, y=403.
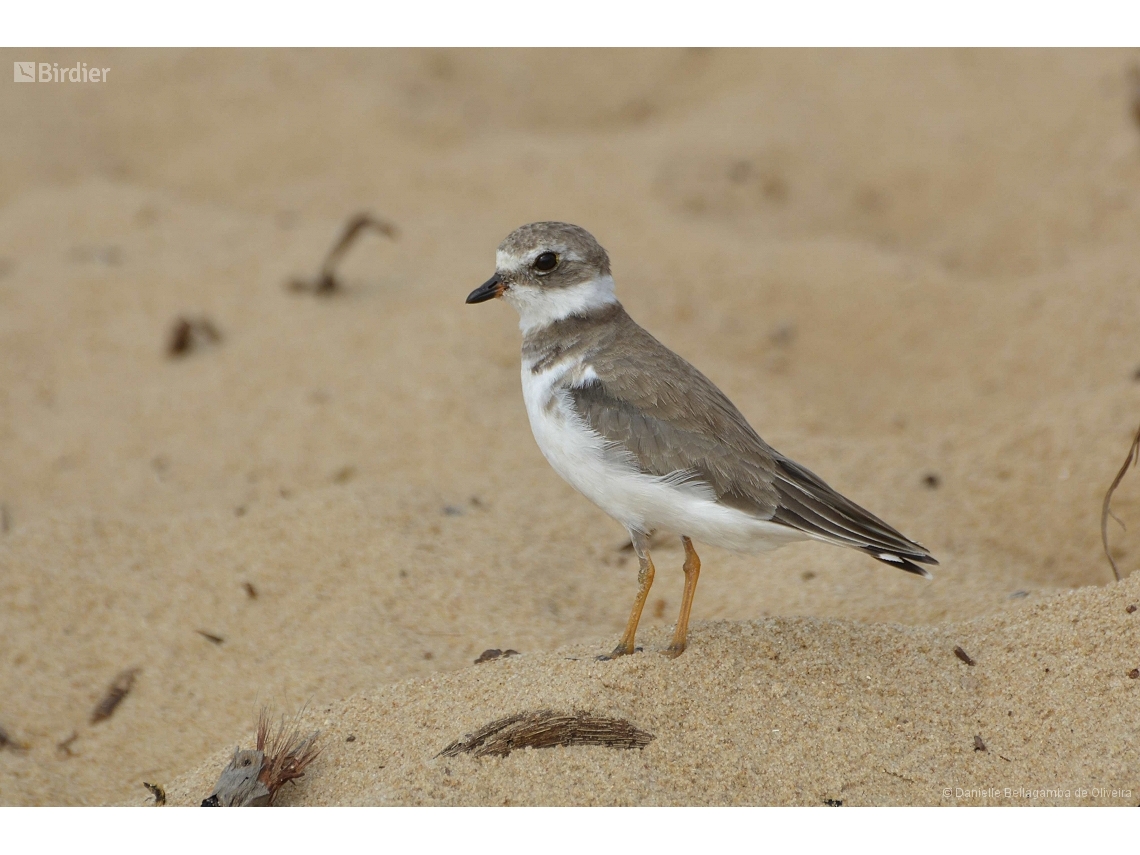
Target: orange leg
x=644, y=582
x=692, y=572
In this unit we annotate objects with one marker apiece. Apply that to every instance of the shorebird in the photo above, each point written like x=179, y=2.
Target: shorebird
x=649, y=439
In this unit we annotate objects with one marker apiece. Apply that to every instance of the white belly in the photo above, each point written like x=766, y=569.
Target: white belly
x=608, y=476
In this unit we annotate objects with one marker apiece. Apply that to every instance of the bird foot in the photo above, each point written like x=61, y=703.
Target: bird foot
x=617, y=652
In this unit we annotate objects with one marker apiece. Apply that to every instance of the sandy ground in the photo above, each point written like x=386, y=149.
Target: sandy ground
x=915, y=272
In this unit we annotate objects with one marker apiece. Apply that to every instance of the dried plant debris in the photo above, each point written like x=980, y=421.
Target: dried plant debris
x=253, y=778
x=187, y=334
x=1105, y=512
x=64, y=746
x=180, y=337
x=10, y=742
x=495, y=653
x=964, y=656
x=210, y=637
x=158, y=792
x=546, y=729
x=326, y=282
x=1134, y=74
x=287, y=752
x=979, y=745
x=118, y=690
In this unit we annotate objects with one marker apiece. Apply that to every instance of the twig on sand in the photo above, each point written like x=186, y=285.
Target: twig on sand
x=187, y=334
x=64, y=746
x=7, y=741
x=545, y=729
x=326, y=282
x=253, y=778
x=118, y=690
x=495, y=653
x=1134, y=74
x=964, y=656
x=1105, y=512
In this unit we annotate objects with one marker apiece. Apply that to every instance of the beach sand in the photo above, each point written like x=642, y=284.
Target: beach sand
x=915, y=272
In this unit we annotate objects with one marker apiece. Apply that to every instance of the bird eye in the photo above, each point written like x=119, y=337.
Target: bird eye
x=546, y=262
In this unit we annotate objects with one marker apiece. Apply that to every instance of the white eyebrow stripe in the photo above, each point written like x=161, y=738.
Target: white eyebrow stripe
x=507, y=263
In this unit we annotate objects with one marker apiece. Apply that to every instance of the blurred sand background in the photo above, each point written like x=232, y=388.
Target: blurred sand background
x=916, y=272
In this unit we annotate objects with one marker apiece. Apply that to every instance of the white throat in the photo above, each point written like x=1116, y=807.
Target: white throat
x=538, y=307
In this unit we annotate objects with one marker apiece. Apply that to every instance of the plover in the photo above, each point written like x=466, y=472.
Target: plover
x=649, y=439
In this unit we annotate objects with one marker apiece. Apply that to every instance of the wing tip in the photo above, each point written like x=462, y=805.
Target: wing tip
x=908, y=563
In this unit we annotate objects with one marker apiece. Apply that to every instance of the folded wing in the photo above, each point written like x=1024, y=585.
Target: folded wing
x=670, y=418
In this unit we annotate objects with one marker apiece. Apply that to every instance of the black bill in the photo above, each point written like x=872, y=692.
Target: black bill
x=490, y=289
